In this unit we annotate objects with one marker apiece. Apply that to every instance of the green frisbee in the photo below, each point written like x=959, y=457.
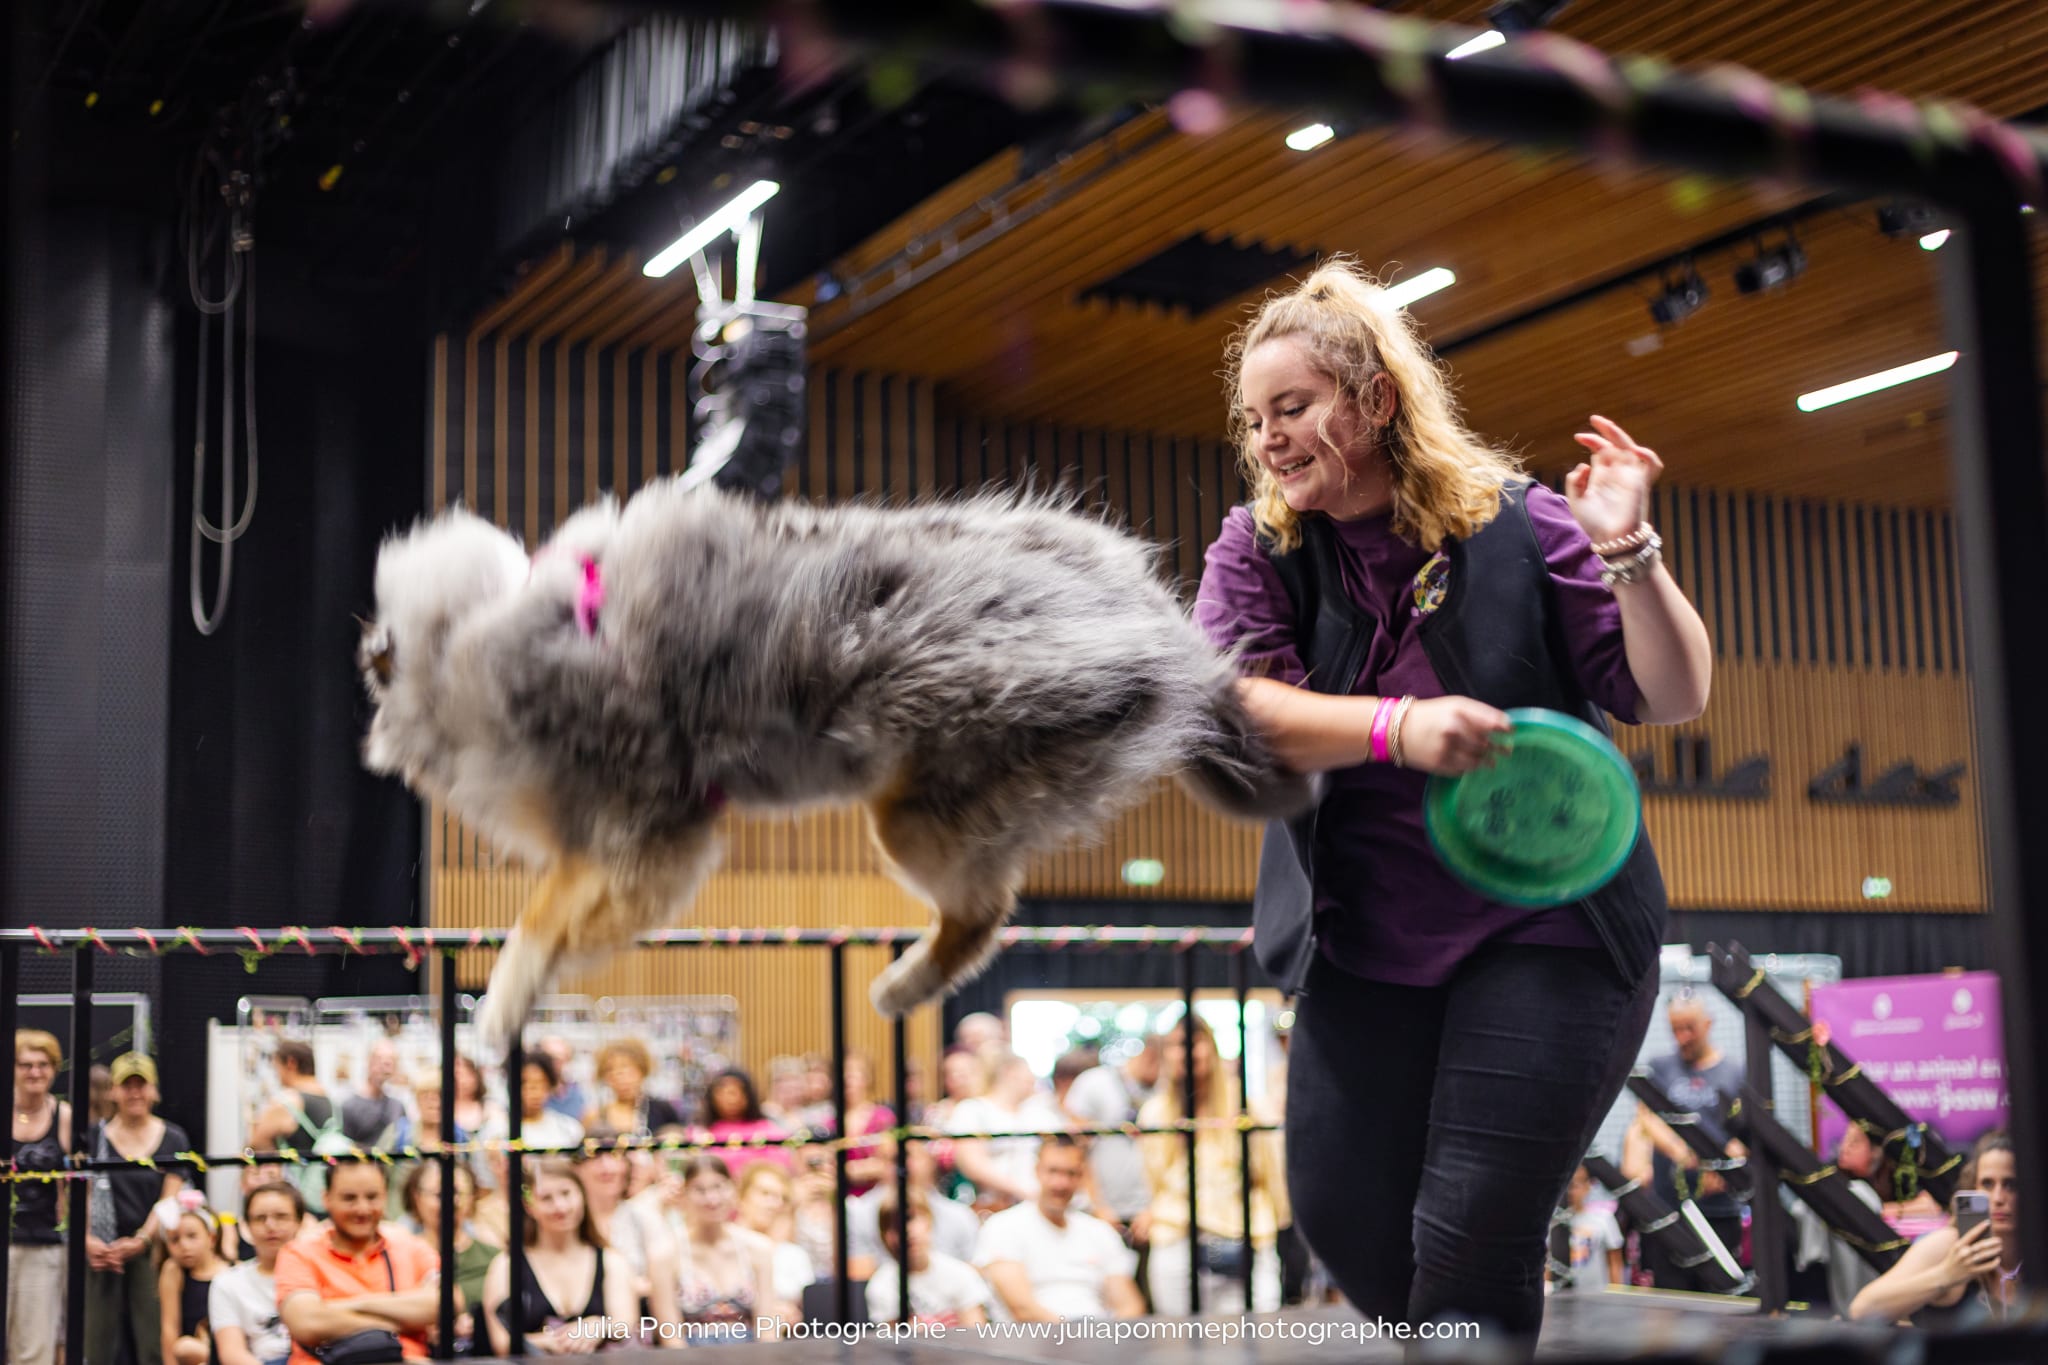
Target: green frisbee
x=1551, y=822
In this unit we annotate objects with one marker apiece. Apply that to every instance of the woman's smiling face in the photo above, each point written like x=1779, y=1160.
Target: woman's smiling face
x=1309, y=437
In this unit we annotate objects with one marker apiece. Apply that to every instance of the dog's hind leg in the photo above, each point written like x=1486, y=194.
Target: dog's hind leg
x=583, y=912
x=569, y=894
x=972, y=888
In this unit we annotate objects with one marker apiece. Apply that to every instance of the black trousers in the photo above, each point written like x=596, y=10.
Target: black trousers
x=1431, y=1130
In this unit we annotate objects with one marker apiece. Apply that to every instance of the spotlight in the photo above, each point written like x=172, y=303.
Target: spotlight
x=1485, y=42
x=1935, y=240
x=1681, y=298
x=1523, y=16
x=1771, y=269
x=1907, y=220
x=1307, y=139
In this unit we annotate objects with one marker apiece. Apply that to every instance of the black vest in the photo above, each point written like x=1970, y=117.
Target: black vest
x=1495, y=638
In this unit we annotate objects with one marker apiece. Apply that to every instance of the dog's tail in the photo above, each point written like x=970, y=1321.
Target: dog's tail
x=1236, y=771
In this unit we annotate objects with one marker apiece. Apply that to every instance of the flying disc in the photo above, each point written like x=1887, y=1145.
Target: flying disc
x=1551, y=822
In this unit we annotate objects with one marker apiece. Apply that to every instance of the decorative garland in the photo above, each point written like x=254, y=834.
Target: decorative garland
x=79, y=1168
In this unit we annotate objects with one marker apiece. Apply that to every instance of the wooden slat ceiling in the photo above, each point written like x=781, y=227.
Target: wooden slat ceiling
x=1004, y=331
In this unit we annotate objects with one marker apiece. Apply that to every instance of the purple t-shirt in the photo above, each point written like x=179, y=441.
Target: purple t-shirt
x=1386, y=909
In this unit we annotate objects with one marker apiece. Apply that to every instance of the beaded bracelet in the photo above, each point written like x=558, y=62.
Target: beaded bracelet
x=1621, y=545
x=1636, y=566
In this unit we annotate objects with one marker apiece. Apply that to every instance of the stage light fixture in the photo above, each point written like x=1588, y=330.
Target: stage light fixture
x=730, y=217
x=1420, y=286
x=1311, y=137
x=1771, y=268
x=1907, y=220
x=1872, y=383
x=1485, y=42
x=1682, y=297
x=1523, y=16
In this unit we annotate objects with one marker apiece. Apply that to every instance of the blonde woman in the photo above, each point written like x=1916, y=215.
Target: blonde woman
x=35, y=1259
x=1219, y=1240
x=1451, y=1055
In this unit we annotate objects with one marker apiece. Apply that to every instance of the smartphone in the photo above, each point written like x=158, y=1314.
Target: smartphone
x=1971, y=1208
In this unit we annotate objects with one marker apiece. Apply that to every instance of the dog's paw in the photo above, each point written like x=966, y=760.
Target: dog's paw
x=905, y=984
x=498, y=1019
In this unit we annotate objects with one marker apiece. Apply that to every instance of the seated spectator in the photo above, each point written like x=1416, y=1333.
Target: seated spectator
x=1001, y=1169
x=1219, y=1241
x=624, y=1066
x=604, y=1173
x=815, y=1192
x=944, y=1292
x=785, y=1102
x=817, y=1113
x=121, y=1282
x=302, y=1110
x=574, y=1292
x=473, y=1254
x=1069, y=1067
x=767, y=1207
x=357, y=1274
x=188, y=1262
x=570, y=1099
x=1978, y=1272
x=42, y=1142
x=473, y=1111
x=540, y=1126
x=1048, y=1261
x=736, y=1117
x=963, y=1075
x=1107, y=1097
x=374, y=1117
x=725, y=1277
x=242, y=1305
x=864, y=1116
x=984, y=1034
x=954, y=1226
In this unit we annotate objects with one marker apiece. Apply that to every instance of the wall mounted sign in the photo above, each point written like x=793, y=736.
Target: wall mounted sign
x=1902, y=784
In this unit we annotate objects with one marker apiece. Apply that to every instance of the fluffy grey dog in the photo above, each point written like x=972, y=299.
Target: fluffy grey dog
x=990, y=677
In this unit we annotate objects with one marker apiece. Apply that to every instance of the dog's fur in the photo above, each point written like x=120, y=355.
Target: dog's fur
x=990, y=677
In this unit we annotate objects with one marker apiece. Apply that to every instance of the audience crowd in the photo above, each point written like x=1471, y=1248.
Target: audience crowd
x=337, y=1263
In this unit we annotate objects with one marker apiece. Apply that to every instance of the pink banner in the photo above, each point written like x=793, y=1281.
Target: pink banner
x=1933, y=1043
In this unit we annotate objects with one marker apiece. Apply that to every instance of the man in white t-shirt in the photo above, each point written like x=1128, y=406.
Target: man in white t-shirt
x=1048, y=1261
x=954, y=1226
x=944, y=1291
x=1000, y=1168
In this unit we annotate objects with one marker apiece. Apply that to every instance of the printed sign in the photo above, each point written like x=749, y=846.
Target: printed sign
x=1933, y=1043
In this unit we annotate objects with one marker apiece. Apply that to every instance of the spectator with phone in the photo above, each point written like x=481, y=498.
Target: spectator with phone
x=1970, y=1267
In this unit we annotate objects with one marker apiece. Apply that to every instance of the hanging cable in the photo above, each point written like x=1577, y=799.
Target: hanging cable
x=204, y=228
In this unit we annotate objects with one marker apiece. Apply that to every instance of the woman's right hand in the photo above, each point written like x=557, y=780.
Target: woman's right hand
x=1451, y=736
x=1972, y=1255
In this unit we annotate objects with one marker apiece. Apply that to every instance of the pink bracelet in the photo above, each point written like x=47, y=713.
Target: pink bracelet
x=1380, y=716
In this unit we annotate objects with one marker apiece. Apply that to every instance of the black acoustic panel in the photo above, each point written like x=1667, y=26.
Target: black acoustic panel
x=1196, y=274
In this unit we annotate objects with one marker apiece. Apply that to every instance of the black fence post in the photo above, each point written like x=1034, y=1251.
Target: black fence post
x=515, y=1184
x=1767, y=1218
x=2001, y=504
x=445, y=1159
x=899, y=1067
x=842, y=1292
x=1241, y=985
x=10, y=1020
x=1187, y=1094
x=80, y=1219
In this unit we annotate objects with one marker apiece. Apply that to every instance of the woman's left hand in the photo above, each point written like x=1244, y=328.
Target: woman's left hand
x=1610, y=494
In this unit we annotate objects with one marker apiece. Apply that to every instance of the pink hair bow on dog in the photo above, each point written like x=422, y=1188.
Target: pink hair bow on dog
x=590, y=599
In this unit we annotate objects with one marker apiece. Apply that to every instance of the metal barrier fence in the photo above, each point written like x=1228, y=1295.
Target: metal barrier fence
x=86, y=946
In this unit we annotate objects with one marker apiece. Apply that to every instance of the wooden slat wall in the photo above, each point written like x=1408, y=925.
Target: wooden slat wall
x=1831, y=621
